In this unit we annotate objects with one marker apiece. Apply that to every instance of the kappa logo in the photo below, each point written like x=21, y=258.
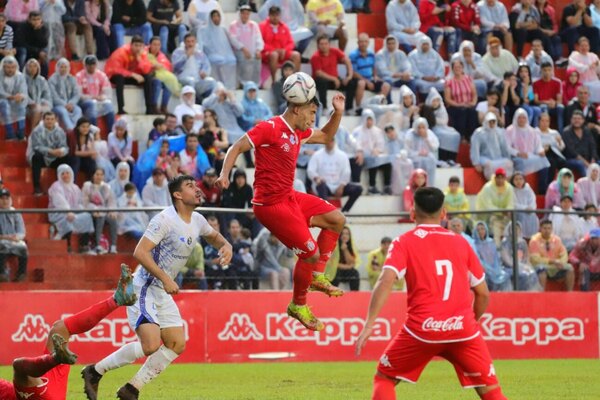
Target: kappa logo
x=240, y=327
x=384, y=360
x=421, y=233
x=33, y=329
x=297, y=251
x=24, y=395
x=284, y=136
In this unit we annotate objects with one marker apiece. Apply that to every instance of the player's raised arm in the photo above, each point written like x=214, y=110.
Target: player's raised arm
x=217, y=240
x=482, y=299
x=242, y=145
x=327, y=133
x=143, y=253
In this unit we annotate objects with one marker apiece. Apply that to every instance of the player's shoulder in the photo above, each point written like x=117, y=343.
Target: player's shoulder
x=199, y=219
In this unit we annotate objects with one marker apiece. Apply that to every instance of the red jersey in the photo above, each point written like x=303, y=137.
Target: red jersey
x=440, y=268
x=7, y=390
x=276, y=147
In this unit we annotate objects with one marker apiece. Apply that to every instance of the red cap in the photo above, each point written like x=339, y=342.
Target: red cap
x=500, y=171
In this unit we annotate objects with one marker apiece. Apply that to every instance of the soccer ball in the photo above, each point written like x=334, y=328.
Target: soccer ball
x=299, y=88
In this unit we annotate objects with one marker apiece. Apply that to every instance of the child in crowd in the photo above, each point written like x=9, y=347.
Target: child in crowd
x=456, y=200
x=160, y=129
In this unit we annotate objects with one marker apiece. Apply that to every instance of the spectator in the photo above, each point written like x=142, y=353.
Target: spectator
x=455, y=200
x=581, y=148
x=17, y=12
x=418, y=179
x=156, y=192
x=348, y=144
x=268, y=251
x=496, y=194
x=585, y=257
x=199, y=14
x=329, y=171
x=239, y=195
x=492, y=104
x=402, y=166
x=553, y=145
x=224, y=103
x=582, y=103
x=214, y=140
x=96, y=92
x=52, y=12
x=464, y=17
x=590, y=221
x=525, y=200
x=570, y=86
x=65, y=94
x=12, y=239
x=448, y=137
x=590, y=185
x=117, y=185
x=324, y=63
x=164, y=78
x=427, y=67
x=494, y=21
x=189, y=157
x=392, y=65
x=496, y=275
x=550, y=257
x=13, y=98
x=193, y=271
x=65, y=194
x=564, y=185
x=348, y=260
x=525, y=146
x=526, y=25
x=549, y=27
x=97, y=194
x=7, y=36
x=489, y=150
x=568, y=227
x=97, y=13
x=435, y=28
x=588, y=66
x=526, y=95
x=498, y=61
x=473, y=66
x=39, y=98
x=286, y=70
x=218, y=47
x=171, y=121
x=461, y=96
x=48, y=149
x=188, y=106
x=371, y=141
x=422, y=145
x=536, y=58
x=159, y=130
x=216, y=276
x=192, y=67
x=75, y=22
x=165, y=158
x=376, y=260
x=278, y=42
x=133, y=223
x=129, y=64
x=248, y=43
x=402, y=20
x=102, y=160
x=32, y=40
x=82, y=148
x=120, y=145
x=527, y=275
x=327, y=16
x=594, y=8
x=510, y=96
x=255, y=109
x=129, y=18
x=548, y=94
x=166, y=20
x=577, y=22
x=210, y=192
x=292, y=14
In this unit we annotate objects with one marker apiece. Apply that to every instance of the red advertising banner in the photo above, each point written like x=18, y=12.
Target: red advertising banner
x=246, y=326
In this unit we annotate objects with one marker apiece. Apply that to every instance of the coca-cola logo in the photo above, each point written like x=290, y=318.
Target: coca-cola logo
x=450, y=324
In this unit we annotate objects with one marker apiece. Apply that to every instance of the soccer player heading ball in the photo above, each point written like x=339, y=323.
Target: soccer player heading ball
x=442, y=274
x=286, y=213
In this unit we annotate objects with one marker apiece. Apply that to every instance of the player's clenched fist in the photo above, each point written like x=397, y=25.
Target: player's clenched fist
x=226, y=253
x=222, y=182
x=170, y=286
x=338, y=102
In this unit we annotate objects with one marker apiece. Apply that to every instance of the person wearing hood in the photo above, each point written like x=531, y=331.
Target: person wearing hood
x=590, y=185
x=427, y=67
x=418, y=179
x=448, y=137
x=524, y=145
x=409, y=110
x=473, y=67
x=133, y=223
x=564, y=185
x=550, y=257
x=198, y=12
x=164, y=78
x=347, y=143
x=255, y=109
x=188, y=106
x=96, y=92
x=496, y=194
x=47, y=148
x=12, y=239
x=498, y=61
x=39, y=98
x=65, y=94
x=292, y=14
x=494, y=21
x=52, y=11
x=371, y=141
x=432, y=25
x=402, y=20
x=536, y=58
x=392, y=65
x=496, y=275
x=248, y=44
x=156, y=192
x=192, y=68
x=117, y=185
x=489, y=150
x=553, y=145
x=13, y=98
x=120, y=144
x=224, y=103
x=588, y=66
x=422, y=146
x=570, y=86
x=585, y=258
x=218, y=47
x=166, y=19
x=525, y=200
x=65, y=194
x=189, y=157
x=528, y=277
x=570, y=228
x=97, y=194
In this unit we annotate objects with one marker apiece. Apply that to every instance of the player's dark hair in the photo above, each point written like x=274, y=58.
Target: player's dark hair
x=428, y=200
x=545, y=222
x=176, y=183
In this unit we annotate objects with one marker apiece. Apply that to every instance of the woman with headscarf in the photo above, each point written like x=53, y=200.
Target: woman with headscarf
x=524, y=145
x=371, y=140
x=219, y=49
x=228, y=109
x=408, y=108
x=525, y=200
x=188, y=106
x=461, y=97
x=448, y=136
x=564, y=185
x=120, y=145
x=422, y=146
x=473, y=66
x=132, y=223
x=570, y=85
x=427, y=63
x=418, y=179
x=97, y=194
x=590, y=185
x=65, y=94
x=65, y=194
x=39, y=98
x=528, y=278
x=255, y=109
x=13, y=98
x=553, y=145
x=496, y=275
x=117, y=185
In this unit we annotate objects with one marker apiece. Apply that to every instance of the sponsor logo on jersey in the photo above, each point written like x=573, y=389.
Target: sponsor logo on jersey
x=189, y=240
x=285, y=147
x=451, y=324
x=293, y=139
x=384, y=360
x=24, y=395
x=421, y=233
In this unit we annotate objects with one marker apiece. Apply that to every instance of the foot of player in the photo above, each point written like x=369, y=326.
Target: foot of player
x=303, y=314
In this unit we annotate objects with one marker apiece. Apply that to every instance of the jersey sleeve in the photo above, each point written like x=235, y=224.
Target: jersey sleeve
x=396, y=259
x=205, y=228
x=476, y=271
x=261, y=133
x=157, y=228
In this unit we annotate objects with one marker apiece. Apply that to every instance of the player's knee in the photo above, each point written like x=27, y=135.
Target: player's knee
x=176, y=346
x=60, y=328
x=150, y=347
x=313, y=258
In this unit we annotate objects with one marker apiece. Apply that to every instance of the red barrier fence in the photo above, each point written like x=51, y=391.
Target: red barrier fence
x=243, y=326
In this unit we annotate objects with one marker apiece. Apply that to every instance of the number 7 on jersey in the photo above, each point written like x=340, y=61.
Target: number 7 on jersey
x=445, y=267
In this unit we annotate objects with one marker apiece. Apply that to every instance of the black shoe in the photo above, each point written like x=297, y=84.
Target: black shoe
x=374, y=190
x=387, y=190
x=91, y=379
x=358, y=111
x=38, y=192
x=128, y=392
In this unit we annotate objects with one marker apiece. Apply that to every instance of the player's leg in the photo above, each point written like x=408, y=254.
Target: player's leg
x=384, y=387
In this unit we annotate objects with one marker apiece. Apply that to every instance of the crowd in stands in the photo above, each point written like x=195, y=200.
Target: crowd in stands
x=446, y=74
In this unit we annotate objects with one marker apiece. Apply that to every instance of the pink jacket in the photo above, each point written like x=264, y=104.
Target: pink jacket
x=93, y=85
x=18, y=10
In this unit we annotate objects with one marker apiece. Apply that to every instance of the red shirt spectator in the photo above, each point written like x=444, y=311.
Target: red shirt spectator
x=464, y=16
x=547, y=90
x=275, y=38
x=327, y=63
x=123, y=62
x=428, y=18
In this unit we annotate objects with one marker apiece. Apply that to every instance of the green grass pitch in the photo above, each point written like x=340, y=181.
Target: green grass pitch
x=521, y=380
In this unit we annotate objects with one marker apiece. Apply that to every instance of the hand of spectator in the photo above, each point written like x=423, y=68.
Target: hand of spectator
x=222, y=182
x=69, y=107
x=126, y=18
x=225, y=252
x=336, y=83
x=42, y=57
x=247, y=54
x=325, y=22
x=360, y=158
x=139, y=78
x=202, y=74
x=257, y=55
x=198, y=273
x=317, y=180
x=346, y=80
x=552, y=103
x=113, y=215
x=106, y=29
x=410, y=30
x=476, y=29
x=170, y=286
x=584, y=267
x=70, y=217
x=423, y=152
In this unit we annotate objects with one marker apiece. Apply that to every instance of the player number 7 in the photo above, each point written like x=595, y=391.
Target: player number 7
x=440, y=266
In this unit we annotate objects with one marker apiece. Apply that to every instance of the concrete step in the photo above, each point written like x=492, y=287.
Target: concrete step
x=46, y=246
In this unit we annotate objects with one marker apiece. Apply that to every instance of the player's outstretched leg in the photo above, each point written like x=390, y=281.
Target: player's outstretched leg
x=297, y=308
x=331, y=224
x=38, y=366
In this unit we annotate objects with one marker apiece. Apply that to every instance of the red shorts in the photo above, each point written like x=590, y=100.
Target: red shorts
x=54, y=386
x=406, y=357
x=289, y=221
x=267, y=54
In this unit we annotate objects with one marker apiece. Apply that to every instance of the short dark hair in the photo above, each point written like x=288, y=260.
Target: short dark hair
x=212, y=217
x=577, y=112
x=47, y=113
x=545, y=222
x=454, y=179
x=386, y=239
x=170, y=115
x=158, y=121
x=508, y=74
x=213, y=12
x=158, y=171
x=493, y=91
x=186, y=117
x=191, y=135
x=546, y=65
x=155, y=38
x=322, y=36
x=189, y=34
x=176, y=183
x=129, y=186
x=590, y=205
x=34, y=13
x=274, y=10
x=137, y=39
x=428, y=200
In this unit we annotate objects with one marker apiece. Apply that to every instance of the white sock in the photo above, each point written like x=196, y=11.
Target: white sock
x=127, y=354
x=154, y=365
